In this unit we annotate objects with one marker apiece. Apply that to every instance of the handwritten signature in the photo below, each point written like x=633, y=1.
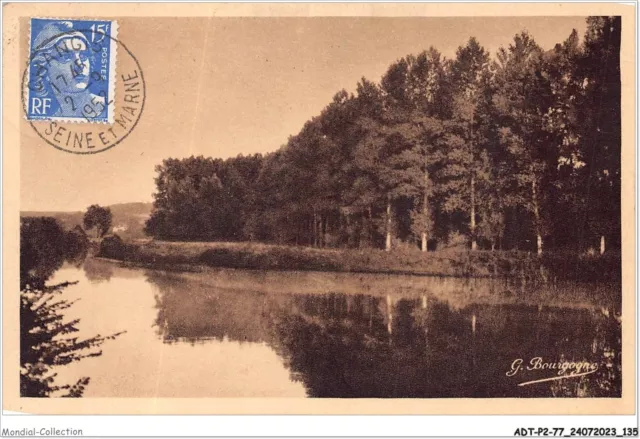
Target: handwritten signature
x=563, y=369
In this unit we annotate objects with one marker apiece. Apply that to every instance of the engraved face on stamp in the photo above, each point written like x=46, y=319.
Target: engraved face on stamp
x=84, y=90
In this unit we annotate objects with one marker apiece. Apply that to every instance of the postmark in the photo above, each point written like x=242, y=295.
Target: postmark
x=83, y=89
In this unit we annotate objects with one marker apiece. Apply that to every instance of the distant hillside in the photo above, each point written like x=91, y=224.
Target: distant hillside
x=128, y=218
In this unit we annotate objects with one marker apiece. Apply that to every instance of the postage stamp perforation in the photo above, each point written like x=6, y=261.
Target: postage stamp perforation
x=112, y=72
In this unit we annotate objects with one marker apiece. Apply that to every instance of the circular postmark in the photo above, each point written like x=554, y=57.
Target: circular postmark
x=83, y=89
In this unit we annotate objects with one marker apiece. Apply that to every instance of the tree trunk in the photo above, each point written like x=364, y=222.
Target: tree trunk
x=474, y=245
x=327, y=230
x=387, y=245
x=371, y=308
x=536, y=213
x=425, y=211
x=315, y=228
x=539, y=243
x=473, y=324
x=369, y=227
x=389, y=314
x=347, y=220
x=602, y=247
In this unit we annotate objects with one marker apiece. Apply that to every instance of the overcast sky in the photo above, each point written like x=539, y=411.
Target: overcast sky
x=224, y=86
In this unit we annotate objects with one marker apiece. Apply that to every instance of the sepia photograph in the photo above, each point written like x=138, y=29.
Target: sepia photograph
x=419, y=208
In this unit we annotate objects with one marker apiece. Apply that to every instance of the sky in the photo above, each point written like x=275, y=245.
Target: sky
x=221, y=87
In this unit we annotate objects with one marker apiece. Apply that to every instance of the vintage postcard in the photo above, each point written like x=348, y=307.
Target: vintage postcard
x=319, y=208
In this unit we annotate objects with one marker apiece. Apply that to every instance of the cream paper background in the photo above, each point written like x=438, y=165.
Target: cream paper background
x=16, y=130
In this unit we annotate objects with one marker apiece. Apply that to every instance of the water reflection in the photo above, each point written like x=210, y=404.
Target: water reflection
x=46, y=336
x=360, y=345
x=142, y=363
x=433, y=351
x=187, y=313
x=186, y=337
x=97, y=271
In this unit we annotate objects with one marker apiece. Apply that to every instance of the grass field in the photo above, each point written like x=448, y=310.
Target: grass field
x=525, y=265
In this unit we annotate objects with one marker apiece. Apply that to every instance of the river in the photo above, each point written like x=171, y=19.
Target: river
x=235, y=333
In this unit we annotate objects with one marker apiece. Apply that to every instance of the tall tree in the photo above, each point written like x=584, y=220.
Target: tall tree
x=599, y=110
x=413, y=94
x=560, y=67
x=426, y=135
x=362, y=193
x=467, y=160
x=523, y=98
x=429, y=92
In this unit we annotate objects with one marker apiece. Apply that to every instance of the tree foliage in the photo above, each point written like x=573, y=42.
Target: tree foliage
x=46, y=336
x=99, y=218
x=511, y=151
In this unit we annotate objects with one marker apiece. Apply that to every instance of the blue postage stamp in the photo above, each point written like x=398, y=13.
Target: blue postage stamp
x=71, y=70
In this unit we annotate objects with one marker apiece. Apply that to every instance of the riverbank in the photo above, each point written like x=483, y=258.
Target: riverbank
x=523, y=265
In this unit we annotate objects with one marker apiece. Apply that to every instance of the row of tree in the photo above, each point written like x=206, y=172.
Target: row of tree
x=521, y=150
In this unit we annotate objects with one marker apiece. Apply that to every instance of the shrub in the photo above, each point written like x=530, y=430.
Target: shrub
x=113, y=247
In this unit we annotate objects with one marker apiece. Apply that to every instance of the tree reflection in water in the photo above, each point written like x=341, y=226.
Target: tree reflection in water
x=409, y=345
x=97, y=271
x=46, y=339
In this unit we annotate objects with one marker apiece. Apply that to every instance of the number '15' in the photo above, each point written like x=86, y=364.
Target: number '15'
x=100, y=29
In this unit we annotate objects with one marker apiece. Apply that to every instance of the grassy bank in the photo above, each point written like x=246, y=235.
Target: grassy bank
x=528, y=266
